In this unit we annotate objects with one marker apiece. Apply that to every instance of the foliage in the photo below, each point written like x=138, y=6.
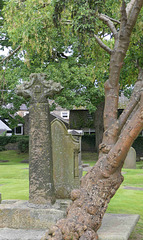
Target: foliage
x=12, y=139
x=23, y=142
x=3, y=134
x=2, y=148
x=23, y=145
x=134, y=56
x=46, y=45
x=88, y=142
x=138, y=145
x=57, y=37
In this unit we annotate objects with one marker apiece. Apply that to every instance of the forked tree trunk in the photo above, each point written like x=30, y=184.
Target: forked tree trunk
x=99, y=185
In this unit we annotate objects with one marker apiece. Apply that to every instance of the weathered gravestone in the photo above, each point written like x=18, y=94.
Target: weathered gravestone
x=77, y=134
x=41, y=186
x=67, y=169
x=130, y=161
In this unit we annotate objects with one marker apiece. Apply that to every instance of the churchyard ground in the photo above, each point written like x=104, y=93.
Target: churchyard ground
x=14, y=184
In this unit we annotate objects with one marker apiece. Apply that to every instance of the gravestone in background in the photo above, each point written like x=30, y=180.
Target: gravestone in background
x=130, y=161
x=41, y=186
x=66, y=168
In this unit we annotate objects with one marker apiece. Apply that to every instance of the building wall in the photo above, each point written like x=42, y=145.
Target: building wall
x=80, y=119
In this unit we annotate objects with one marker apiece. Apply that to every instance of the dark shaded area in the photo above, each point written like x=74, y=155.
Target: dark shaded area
x=138, y=146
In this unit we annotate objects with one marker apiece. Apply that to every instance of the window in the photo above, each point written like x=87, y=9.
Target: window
x=65, y=114
x=18, y=130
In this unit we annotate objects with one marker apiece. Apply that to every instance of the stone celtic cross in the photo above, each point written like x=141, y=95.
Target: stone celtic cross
x=41, y=185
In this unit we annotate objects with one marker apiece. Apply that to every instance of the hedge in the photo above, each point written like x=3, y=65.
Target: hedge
x=23, y=142
x=138, y=145
x=88, y=144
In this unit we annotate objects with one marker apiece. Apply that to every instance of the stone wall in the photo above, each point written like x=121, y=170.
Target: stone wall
x=11, y=146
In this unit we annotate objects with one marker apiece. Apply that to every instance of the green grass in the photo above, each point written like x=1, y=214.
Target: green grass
x=14, y=176
x=14, y=185
x=89, y=157
x=13, y=157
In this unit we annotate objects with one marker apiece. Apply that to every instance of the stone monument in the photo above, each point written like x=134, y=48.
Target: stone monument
x=41, y=186
x=41, y=211
x=130, y=161
x=67, y=169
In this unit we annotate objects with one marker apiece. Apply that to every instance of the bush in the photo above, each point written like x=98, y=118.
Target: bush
x=2, y=148
x=23, y=146
x=23, y=142
x=8, y=139
x=88, y=142
x=138, y=145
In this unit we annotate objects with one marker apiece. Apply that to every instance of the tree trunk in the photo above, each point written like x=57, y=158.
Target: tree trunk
x=99, y=185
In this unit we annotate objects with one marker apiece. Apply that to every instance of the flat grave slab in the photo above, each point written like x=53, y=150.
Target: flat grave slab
x=117, y=226
x=20, y=234
x=24, y=215
x=114, y=227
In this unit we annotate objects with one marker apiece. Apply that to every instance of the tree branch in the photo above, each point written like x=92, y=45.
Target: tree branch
x=118, y=152
x=10, y=54
x=123, y=15
x=135, y=97
x=130, y=6
x=102, y=45
x=113, y=20
x=134, y=12
x=109, y=23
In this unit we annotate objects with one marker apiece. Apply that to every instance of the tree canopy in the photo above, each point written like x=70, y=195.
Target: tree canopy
x=60, y=38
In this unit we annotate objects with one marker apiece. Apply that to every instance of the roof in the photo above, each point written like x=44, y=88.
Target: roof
x=57, y=116
x=4, y=126
x=23, y=107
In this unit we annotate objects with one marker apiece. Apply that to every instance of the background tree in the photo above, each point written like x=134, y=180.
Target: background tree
x=82, y=79
x=79, y=24
x=29, y=27
x=77, y=72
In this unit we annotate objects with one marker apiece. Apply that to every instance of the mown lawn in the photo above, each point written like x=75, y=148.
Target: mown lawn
x=14, y=176
x=14, y=185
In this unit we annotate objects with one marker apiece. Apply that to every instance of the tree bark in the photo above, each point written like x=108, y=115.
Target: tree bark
x=99, y=185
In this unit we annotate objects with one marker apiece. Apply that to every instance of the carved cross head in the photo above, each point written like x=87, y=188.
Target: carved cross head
x=38, y=89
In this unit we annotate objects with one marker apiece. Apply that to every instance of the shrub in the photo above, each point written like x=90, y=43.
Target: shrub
x=23, y=145
x=138, y=145
x=2, y=148
x=23, y=142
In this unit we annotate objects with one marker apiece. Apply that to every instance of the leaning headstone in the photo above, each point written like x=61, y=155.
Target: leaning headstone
x=130, y=161
x=41, y=186
x=66, y=149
